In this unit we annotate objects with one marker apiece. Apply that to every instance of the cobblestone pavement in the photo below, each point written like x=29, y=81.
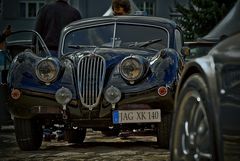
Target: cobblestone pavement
x=96, y=147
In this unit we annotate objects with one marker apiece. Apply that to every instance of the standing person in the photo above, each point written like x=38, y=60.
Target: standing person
x=4, y=58
x=121, y=7
x=5, y=33
x=51, y=19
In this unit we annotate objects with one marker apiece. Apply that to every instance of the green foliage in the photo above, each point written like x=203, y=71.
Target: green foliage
x=200, y=16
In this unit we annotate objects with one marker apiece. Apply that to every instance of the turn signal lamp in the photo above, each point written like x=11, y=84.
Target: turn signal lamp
x=162, y=91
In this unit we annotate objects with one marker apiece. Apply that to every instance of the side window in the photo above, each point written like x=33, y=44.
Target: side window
x=178, y=39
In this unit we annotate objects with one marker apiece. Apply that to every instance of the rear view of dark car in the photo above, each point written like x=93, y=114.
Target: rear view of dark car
x=207, y=105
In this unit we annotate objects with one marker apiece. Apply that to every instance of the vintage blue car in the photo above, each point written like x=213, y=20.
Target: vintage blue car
x=111, y=74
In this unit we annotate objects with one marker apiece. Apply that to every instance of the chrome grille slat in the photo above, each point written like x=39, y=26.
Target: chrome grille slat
x=97, y=75
x=87, y=83
x=91, y=74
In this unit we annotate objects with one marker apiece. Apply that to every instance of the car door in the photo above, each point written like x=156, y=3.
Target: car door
x=4, y=66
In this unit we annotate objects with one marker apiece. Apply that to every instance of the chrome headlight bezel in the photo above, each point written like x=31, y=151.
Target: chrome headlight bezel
x=45, y=67
x=136, y=63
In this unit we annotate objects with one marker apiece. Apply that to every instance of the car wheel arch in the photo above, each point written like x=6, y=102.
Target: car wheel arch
x=187, y=73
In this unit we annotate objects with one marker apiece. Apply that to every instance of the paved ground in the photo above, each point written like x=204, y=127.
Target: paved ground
x=96, y=147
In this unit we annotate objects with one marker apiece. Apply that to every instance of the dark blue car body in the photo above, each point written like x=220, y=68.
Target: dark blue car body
x=111, y=74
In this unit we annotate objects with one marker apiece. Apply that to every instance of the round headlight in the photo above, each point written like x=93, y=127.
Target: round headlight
x=47, y=70
x=131, y=68
x=63, y=96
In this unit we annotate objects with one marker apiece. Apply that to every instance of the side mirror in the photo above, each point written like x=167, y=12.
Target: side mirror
x=185, y=51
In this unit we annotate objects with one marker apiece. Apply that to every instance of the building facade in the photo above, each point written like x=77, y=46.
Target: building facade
x=21, y=14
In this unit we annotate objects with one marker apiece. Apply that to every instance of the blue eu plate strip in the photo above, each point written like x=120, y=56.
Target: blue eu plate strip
x=115, y=117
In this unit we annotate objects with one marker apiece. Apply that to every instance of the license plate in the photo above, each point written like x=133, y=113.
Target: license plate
x=136, y=116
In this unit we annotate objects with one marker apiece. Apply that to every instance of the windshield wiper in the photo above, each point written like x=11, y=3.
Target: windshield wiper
x=81, y=46
x=144, y=44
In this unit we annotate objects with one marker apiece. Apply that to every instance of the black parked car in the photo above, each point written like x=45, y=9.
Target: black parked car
x=207, y=105
x=112, y=73
x=206, y=125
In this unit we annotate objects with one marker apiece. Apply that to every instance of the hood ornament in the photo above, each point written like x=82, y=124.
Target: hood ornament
x=93, y=53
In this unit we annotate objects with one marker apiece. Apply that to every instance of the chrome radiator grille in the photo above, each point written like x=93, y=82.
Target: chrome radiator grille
x=91, y=74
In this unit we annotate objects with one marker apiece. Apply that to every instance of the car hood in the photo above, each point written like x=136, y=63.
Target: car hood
x=112, y=55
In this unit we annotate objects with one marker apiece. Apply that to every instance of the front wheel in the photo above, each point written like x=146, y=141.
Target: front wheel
x=29, y=133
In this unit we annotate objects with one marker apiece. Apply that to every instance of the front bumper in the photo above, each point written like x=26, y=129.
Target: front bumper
x=34, y=104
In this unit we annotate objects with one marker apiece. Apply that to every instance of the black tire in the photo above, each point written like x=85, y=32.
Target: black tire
x=75, y=135
x=192, y=132
x=163, y=131
x=29, y=134
x=110, y=132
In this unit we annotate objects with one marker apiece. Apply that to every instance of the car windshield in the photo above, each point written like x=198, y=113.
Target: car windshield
x=126, y=35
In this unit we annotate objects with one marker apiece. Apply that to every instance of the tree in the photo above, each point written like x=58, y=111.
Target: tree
x=200, y=16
